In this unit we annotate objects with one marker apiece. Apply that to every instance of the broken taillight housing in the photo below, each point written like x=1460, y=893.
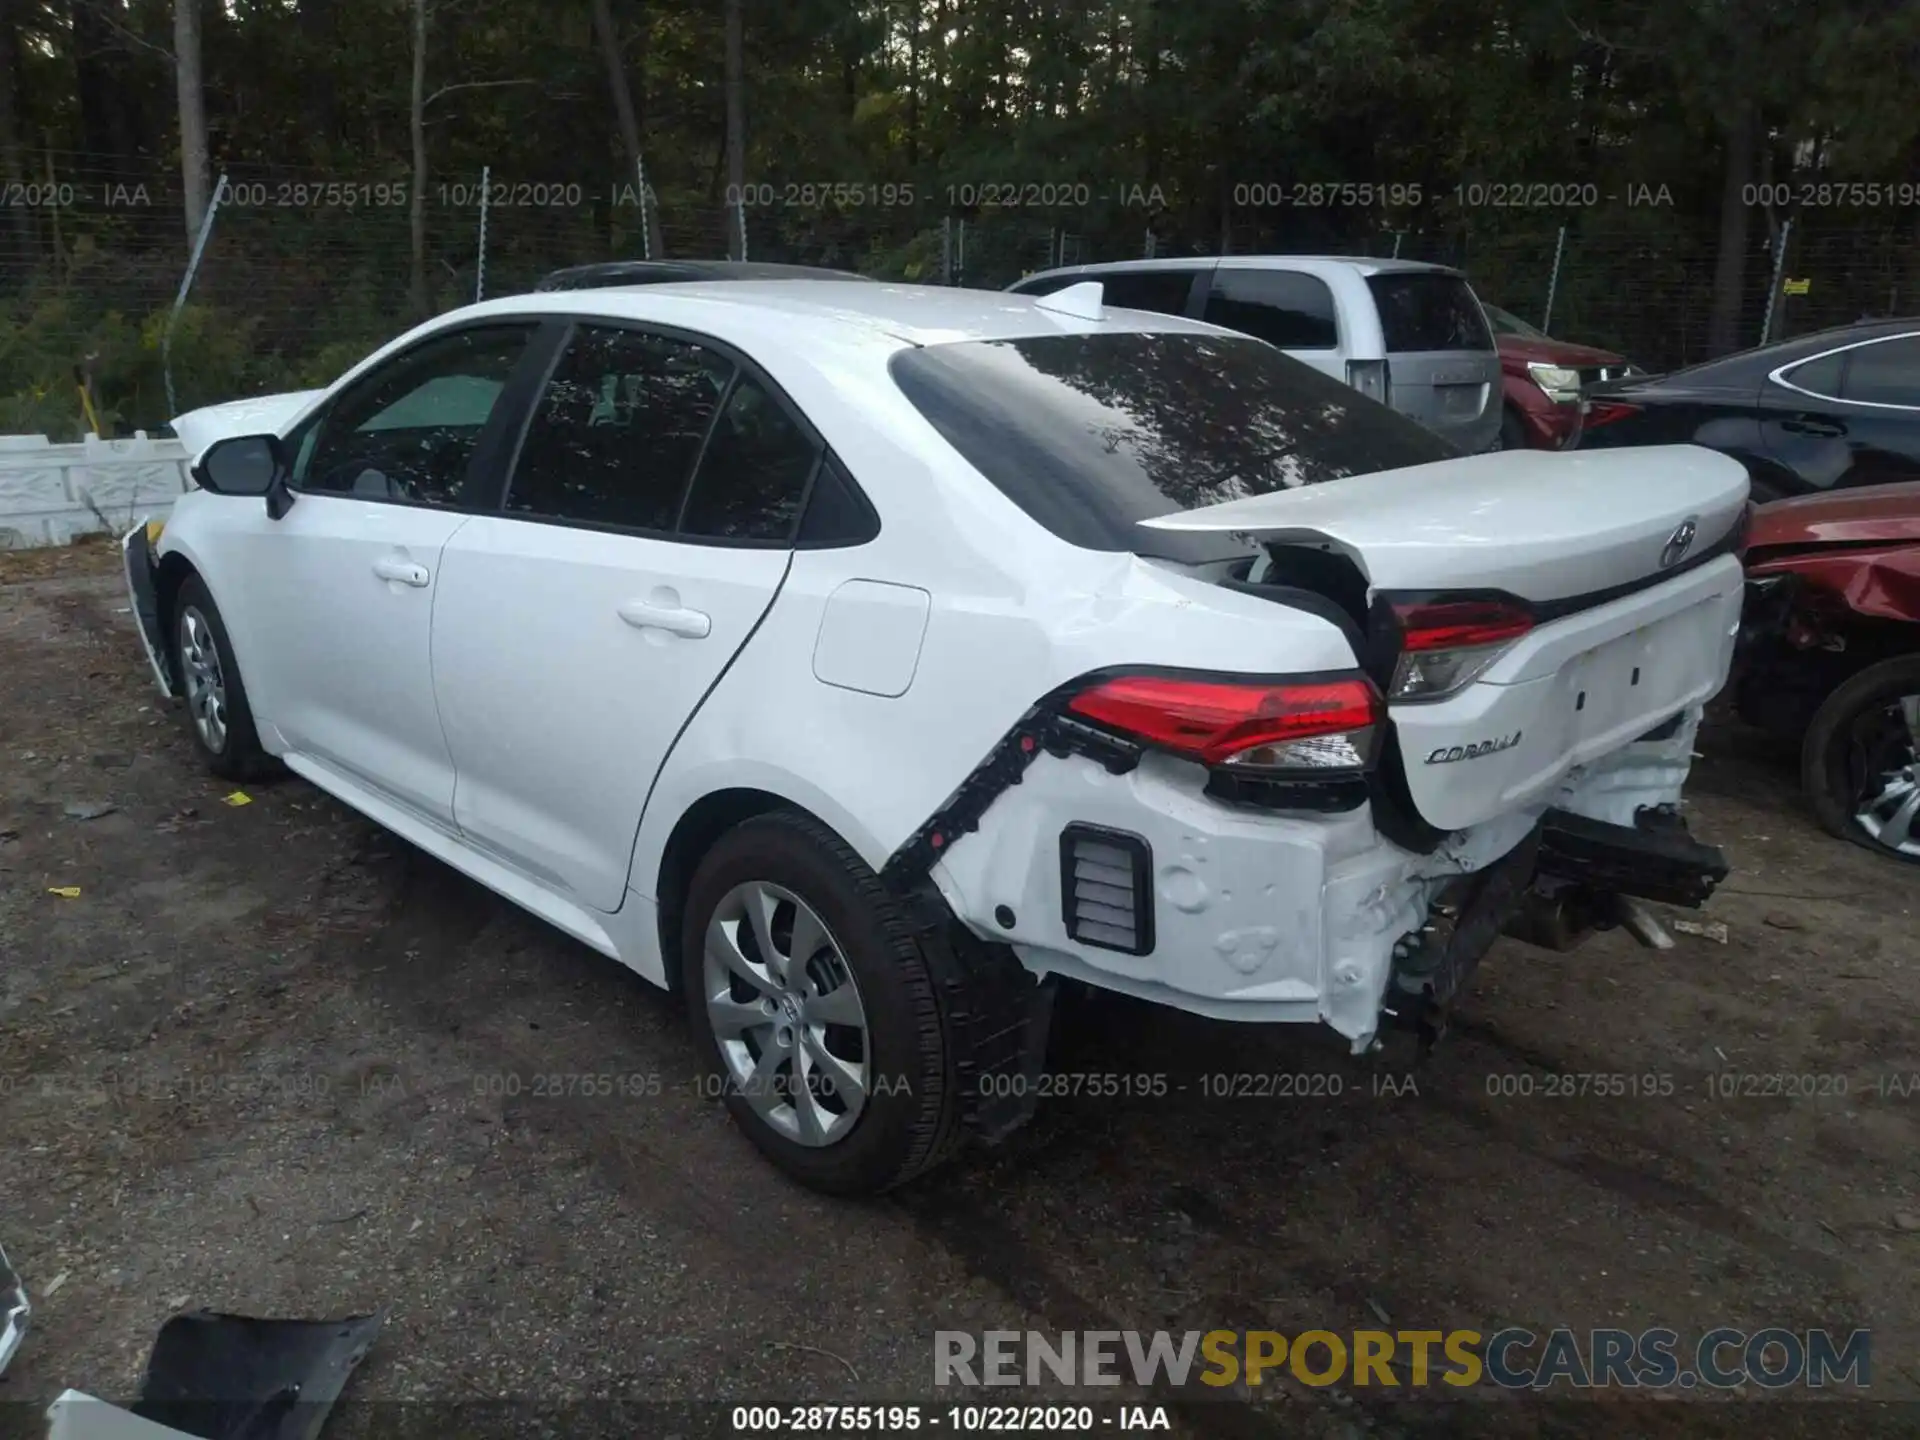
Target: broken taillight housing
x=1445, y=645
x=1605, y=412
x=1319, y=727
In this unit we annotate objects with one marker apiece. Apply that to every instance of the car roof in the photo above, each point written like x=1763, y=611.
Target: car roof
x=665, y=272
x=786, y=312
x=1357, y=264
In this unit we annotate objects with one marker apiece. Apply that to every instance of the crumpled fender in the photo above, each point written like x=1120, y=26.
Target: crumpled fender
x=1883, y=584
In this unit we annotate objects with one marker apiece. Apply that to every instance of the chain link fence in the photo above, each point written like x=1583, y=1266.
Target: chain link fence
x=303, y=272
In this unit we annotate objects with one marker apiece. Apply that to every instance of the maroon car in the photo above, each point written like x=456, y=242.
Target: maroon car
x=1830, y=655
x=1542, y=379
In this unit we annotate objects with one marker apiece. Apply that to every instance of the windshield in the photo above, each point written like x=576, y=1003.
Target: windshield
x=1092, y=433
x=1505, y=322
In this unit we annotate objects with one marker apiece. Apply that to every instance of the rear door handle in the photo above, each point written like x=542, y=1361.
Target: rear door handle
x=406, y=572
x=1814, y=425
x=688, y=624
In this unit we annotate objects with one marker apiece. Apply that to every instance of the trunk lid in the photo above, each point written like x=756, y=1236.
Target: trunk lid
x=1619, y=645
x=1545, y=526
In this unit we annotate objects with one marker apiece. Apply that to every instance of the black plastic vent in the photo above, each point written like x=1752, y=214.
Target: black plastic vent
x=1106, y=888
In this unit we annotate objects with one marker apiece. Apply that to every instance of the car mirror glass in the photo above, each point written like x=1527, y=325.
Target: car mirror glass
x=239, y=465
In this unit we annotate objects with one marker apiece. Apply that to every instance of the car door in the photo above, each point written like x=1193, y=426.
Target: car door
x=1849, y=416
x=340, y=590
x=646, y=528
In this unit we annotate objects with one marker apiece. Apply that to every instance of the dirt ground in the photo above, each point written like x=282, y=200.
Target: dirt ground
x=270, y=1060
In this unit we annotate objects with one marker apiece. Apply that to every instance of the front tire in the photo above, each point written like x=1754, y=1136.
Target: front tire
x=218, y=715
x=1513, y=430
x=1860, y=762
x=815, y=1009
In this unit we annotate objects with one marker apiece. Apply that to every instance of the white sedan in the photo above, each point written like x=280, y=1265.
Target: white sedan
x=862, y=660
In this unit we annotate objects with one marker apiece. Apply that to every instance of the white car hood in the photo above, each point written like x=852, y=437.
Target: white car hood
x=260, y=415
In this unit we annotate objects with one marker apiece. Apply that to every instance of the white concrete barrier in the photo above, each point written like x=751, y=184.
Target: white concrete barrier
x=51, y=493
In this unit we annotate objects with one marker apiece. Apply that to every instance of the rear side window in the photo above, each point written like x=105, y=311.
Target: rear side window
x=1820, y=376
x=1886, y=372
x=1092, y=433
x=1163, y=291
x=617, y=430
x=1282, y=307
x=1425, y=310
x=754, y=473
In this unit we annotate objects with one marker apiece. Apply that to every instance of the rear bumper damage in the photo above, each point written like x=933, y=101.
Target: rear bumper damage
x=1263, y=916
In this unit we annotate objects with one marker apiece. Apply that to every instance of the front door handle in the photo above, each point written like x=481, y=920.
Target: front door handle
x=406, y=572
x=688, y=624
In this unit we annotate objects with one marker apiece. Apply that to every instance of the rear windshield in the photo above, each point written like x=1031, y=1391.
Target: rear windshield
x=1092, y=433
x=1427, y=311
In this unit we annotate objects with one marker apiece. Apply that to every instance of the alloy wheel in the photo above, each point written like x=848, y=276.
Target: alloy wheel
x=787, y=1014
x=206, y=682
x=1885, y=767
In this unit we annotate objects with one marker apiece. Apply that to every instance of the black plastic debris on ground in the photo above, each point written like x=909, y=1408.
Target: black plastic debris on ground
x=231, y=1377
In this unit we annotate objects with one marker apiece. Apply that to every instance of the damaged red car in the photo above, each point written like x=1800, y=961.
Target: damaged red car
x=1830, y=655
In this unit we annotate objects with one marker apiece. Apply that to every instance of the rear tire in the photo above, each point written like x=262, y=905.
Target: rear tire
x=218, y=715
x=842, y=950
x=1858, y=763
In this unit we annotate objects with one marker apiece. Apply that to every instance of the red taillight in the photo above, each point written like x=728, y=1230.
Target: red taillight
x=1214, y=721
x=1605, y=412
x=1445, y=645
x=1456, y=624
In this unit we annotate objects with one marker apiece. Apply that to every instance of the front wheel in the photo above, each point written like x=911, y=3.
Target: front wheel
x=815, y=1009
x=1860, y=763
x=217, y=708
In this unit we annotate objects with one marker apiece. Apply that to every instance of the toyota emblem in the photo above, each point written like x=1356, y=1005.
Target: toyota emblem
x=1679, y=543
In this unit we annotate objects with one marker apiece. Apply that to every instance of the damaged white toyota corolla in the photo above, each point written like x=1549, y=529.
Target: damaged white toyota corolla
x=863, y=659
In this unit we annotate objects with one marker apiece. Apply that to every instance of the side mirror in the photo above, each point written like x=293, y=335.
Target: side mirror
x=247, y=465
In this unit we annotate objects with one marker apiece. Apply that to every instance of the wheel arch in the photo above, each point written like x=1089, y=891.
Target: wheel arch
x=169, y=575
x=699, y=827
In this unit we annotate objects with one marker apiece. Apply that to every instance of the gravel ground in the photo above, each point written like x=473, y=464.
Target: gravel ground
x=271, y=1060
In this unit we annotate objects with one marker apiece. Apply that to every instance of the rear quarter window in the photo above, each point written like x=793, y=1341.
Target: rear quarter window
x=1425, y=310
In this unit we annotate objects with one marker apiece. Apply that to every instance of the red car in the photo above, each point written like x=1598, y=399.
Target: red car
x=1542, y=379
x=1830, y=655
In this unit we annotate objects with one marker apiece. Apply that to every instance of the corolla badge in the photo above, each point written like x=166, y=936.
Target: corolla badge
x=1680, y=542
x=1447, y=754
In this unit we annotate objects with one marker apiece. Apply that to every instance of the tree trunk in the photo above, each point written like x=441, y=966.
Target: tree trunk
x=12, y=161
x=417, y=198
x=625, y=115
x=1730, y=264
x=913, y=82
x=194, y=181
x=736, y=128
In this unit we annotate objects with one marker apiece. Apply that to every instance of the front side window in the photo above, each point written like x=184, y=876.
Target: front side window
x=407, y=431
x=1287, y=308
x=754, y=473
x=615, y=435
